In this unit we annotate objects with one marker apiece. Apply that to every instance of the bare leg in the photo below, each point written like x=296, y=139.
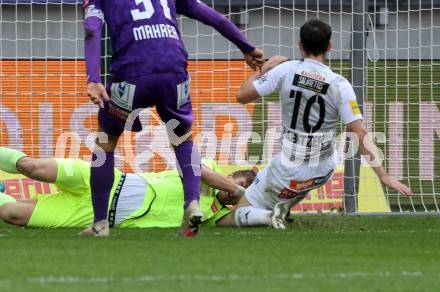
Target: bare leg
x=44, y=170
x=18, y=213
x=109, y=146
x=229, y=220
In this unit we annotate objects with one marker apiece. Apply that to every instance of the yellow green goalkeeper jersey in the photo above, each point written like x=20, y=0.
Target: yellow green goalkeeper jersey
x=163, y=204
x=162, y=200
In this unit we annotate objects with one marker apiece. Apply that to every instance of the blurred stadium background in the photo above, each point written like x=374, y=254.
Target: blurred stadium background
x=390, y=50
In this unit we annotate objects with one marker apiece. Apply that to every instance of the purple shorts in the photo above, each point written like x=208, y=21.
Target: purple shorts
x=169, y=92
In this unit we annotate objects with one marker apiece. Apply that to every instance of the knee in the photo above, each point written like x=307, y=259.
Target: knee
x=10, y=215
x=111, y=141
x=27, y=166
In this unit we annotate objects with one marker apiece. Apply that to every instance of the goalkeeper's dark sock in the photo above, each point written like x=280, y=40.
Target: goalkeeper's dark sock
x=189, y=165
x=9, y=159
x=102, y=176
x=4, y=198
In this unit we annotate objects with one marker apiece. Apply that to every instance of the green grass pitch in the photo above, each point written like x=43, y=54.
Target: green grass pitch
x=323, y=253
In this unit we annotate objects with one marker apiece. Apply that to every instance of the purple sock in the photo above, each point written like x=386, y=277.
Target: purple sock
x=102, y=177
x=188, y=159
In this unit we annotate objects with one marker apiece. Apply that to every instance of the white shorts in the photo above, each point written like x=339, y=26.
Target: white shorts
x=279, y=182
x=131, y=197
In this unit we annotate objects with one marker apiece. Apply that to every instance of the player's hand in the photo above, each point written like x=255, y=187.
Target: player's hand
x=391, y=182
x=255, y=59
x=97, y=93
x=273, y=62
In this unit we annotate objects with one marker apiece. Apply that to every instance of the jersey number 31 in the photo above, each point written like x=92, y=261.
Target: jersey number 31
x=149, y=10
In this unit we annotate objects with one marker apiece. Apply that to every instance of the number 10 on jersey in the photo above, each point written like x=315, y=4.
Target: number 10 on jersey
x=297, y=95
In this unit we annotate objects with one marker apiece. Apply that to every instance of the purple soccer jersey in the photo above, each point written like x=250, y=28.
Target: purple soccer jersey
x=146, y=41
x=148, y=68
x=145, y=35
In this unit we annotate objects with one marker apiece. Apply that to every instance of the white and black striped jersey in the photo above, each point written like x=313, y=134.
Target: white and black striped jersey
x=312, y=98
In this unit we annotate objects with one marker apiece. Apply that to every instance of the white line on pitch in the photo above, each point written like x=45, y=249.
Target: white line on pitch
x=217, y=278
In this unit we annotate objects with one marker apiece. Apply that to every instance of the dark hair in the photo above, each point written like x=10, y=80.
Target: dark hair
x=315, y=37
x=248, y=174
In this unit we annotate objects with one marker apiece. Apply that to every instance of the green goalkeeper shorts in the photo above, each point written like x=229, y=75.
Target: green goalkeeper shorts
x=212, y=222
x=72, y=205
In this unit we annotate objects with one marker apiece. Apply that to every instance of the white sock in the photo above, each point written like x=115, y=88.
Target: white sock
x=251, y=216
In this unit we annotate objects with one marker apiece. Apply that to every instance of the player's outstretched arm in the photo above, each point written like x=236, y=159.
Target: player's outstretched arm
x=267, y=81
x=92, y=52
x=219, y=182
x=369, y=150
x=197, y=10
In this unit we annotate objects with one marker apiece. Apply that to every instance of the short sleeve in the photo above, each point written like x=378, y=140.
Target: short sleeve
x=271, y=81
x=349, y=109
x=211, y=164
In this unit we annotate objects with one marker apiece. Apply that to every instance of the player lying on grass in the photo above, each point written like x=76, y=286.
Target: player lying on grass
x=137, y=200
x=149, y=68
x=313, y=98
